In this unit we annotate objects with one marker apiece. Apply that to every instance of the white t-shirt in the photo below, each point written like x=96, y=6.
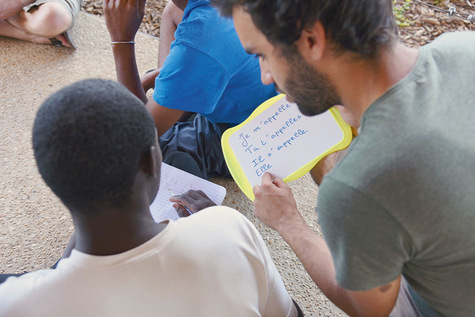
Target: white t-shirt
x=213, y=263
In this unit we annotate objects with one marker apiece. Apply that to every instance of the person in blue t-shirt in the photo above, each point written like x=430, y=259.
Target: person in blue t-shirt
x=205, y=71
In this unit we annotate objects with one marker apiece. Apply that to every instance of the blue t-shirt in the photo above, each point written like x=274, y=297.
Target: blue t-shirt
x=208, y=71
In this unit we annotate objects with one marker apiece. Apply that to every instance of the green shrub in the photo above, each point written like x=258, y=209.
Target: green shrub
x=399, y=10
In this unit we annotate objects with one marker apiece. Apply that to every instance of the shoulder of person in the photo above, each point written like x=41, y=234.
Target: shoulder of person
x=223, y=215
x=224, y=212
x=16, y=290
x=455, y=42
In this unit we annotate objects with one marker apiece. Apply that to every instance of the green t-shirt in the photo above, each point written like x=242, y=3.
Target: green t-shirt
x=402, y=201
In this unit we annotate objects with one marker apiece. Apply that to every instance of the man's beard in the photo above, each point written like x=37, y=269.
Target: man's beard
x=310, y=90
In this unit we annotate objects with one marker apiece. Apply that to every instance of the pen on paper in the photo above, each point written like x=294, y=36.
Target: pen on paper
x=180, y=203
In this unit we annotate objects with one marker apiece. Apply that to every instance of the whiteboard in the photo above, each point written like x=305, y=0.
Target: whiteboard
x=279, y=139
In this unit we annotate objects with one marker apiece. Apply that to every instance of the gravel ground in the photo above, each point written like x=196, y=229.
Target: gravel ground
x=420, y=21
x=151, y=20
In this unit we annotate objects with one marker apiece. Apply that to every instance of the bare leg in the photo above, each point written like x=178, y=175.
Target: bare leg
x=9, y=8
x=49, y=20
x=8, y=30
x=325, y=165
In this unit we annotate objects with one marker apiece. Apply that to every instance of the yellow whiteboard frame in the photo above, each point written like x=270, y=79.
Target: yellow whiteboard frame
x=235, y=167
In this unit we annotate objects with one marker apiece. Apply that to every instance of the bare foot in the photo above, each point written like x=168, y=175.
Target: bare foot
x=63, y=40
x=9, y=30
x=325, y=165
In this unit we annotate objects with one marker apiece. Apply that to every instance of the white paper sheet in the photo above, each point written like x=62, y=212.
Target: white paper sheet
x=176, y=181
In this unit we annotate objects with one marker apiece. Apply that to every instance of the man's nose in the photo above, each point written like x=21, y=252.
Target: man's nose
x=266, y=75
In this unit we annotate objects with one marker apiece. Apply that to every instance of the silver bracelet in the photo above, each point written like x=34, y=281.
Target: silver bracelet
x=122, y=42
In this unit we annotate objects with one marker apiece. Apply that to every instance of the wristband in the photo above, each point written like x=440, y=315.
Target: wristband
x=122, y=42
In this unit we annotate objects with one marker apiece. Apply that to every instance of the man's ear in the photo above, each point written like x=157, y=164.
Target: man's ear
x=312, y=42
x=150, y=161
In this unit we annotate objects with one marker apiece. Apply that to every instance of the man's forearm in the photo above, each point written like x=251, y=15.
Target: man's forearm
x=315, y=256
x=275, y=206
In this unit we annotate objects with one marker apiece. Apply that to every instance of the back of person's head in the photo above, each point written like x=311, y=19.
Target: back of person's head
x=359, y=26
x=88, y=139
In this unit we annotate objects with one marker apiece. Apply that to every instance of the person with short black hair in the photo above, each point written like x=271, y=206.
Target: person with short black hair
x=397, y=211
x=96, y=147
x=206, y=82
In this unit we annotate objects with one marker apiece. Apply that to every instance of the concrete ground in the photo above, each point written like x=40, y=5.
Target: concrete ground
x=34, y=225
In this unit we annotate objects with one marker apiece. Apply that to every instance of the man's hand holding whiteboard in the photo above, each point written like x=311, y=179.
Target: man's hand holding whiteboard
x=277, y=138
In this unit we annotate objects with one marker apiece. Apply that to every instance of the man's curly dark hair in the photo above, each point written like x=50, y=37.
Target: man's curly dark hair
x=88, y=139
x=359, y=26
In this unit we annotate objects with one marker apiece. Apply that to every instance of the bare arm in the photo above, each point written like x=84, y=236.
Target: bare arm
x=164, y=117
x=275, y=206
x=123, y=18
x=9, y=8
x=171, y=17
